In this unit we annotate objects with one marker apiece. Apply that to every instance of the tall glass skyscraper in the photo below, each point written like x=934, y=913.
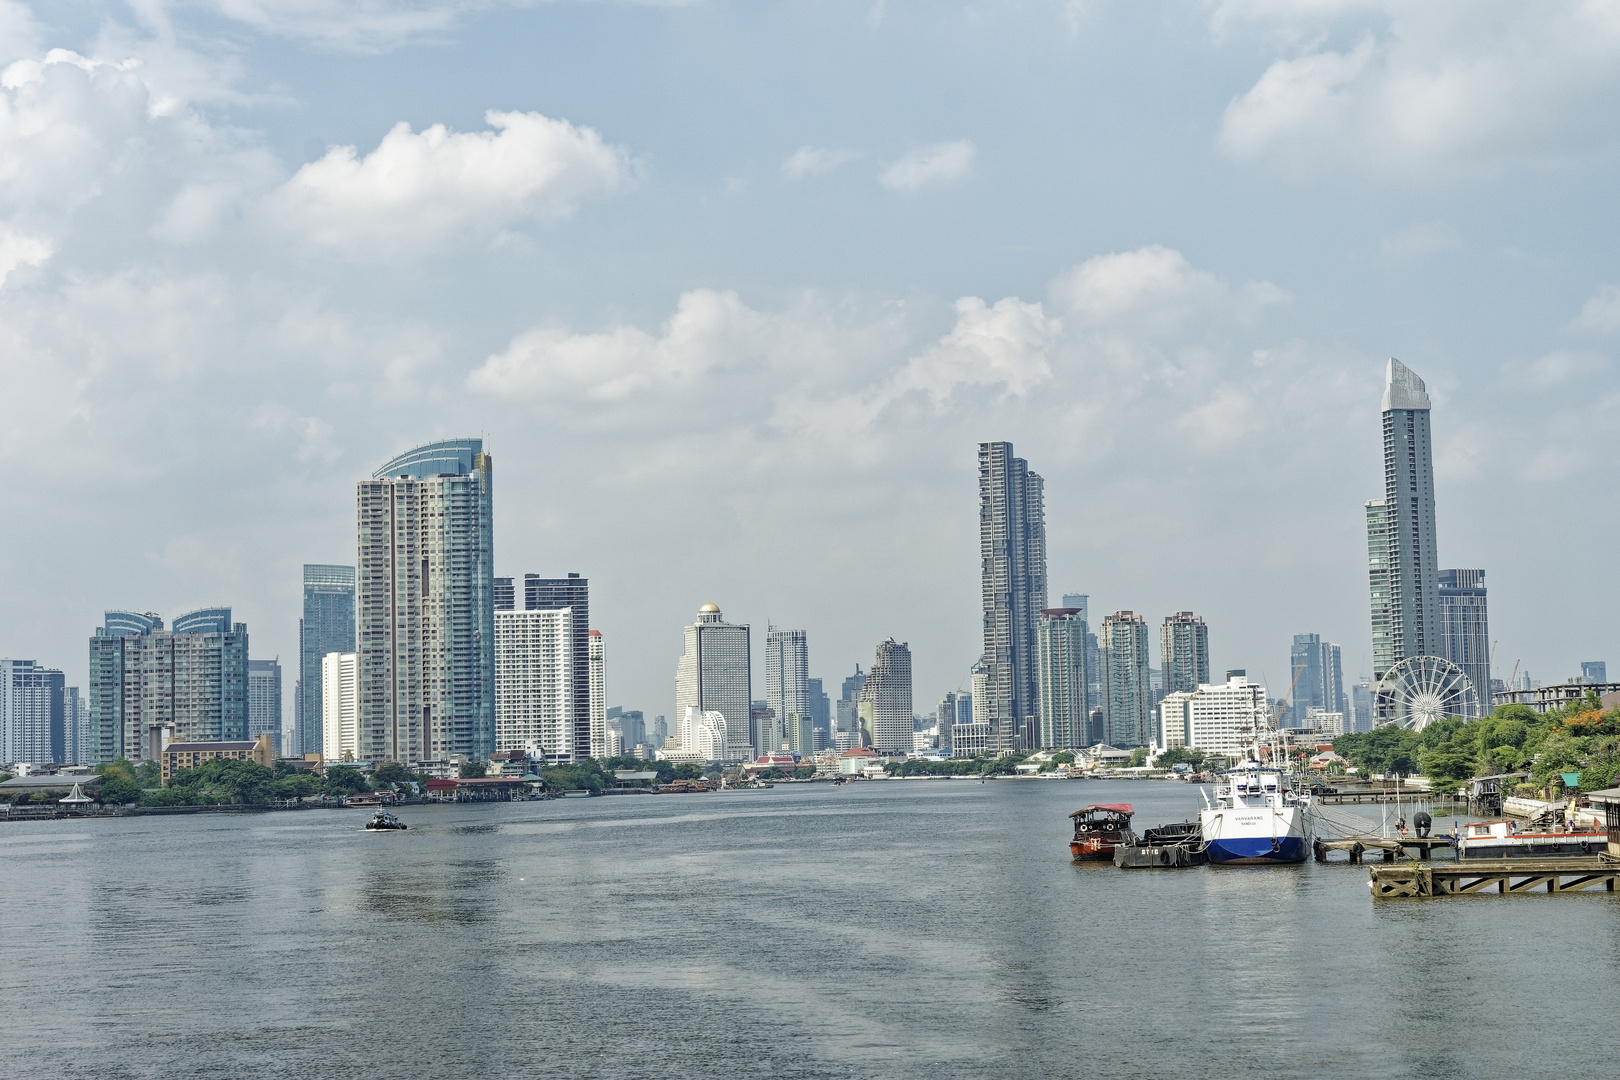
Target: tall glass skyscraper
x=1465, y=631
x=264, y=700
x=715, y=675
x=326, y=627
x=426, y=605
x=1012, y=561
x=1403, y=578
x=787, y=690
x=1316, y=673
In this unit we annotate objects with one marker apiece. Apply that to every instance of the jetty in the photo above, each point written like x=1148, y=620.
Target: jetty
x=1390, y=848
x=1507, y=877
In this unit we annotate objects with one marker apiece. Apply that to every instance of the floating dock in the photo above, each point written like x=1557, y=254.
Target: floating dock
x=1507, y=877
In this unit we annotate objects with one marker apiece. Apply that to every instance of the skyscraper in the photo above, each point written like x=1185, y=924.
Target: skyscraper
x=1404, y=581
x=1012, y=559
x=264, y=699
x=327, y=626
x=715, y=675
x=1317, y=678
x=1593, y=672
x=820, y=714
x=885, y=705
x=945, y=720
x=1184, y=653
x=1093, y=655
x=847, y=733
x=1465, y=631
x=427, y=605
x=534, y=683
x=505, y=594
x=1061, y=678
x=340, y=707
x=33, y=719
x=147, y=682
x=597, y=659
x=787, y=685
x=574, y=593
x=1127, y=686
x=76, y=721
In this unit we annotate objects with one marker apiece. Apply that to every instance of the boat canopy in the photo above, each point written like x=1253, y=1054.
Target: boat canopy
x=1110, y=808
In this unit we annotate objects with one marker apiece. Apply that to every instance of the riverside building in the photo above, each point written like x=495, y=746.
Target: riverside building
x=1127, y=684
x=1012, y=560
x=1184, y=652
x=340, y=707
x=715, y=675
x=885, y=706
x=534, y=683
x=1061, y=679
x=426, y=605
x=1220, y=718
x=33, y=713
x=327, y=626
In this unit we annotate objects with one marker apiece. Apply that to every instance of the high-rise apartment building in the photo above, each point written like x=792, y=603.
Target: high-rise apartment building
x=1221, y=718
x=340, y=707
x=1127, y=685
x=787, y=687
x=1317, y=678
x=425, y=584
x=1403, y=574
x=1465, y=631
x=945, y=720
x=574, y=593
x=1183, y=652
x=505, y=593
x=715, y=675
x=1593, y=672
x=885, y=705
x=596, y=658
x=1093, y=654
x=820, y=714
x=327, y=626
x=1012, y=561
x=847, y=733
x=264, y=699
x=76, y=722
x=33, y=713
x=534, y=683
x=146, y=683
x=1061, y=678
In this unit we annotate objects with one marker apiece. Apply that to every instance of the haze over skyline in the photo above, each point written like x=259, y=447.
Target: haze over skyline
x=732, y=292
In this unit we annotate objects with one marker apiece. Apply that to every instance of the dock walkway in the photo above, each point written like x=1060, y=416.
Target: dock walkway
x=1506, y=877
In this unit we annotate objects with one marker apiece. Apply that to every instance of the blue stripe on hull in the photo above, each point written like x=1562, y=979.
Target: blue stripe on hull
x=1258, y=849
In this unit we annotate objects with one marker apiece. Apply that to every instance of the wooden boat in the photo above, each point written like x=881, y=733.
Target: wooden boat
x=1099, y=829
x=1505, y=840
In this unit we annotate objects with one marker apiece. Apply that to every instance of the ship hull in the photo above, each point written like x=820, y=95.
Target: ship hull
x=1254, y=835
x=1257, y=850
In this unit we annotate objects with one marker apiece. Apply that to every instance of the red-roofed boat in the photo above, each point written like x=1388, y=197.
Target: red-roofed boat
x=1099, y=829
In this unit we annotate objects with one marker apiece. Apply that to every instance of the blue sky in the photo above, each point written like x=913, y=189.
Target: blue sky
x=733, y=290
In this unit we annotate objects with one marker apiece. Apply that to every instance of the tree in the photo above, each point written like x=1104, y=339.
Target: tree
x=473, y=770
x=1139, y=757
x=343, y=780
x=391, y=776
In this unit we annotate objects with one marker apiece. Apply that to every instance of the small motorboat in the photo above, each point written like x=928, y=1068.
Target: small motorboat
x=1099, y=829
x=383, y=821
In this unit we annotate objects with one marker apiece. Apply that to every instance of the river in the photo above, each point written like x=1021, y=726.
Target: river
x=885, y=929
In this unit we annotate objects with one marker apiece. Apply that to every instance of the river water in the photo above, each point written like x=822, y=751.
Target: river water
x=903, y=929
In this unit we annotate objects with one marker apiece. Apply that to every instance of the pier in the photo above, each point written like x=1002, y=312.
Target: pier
x=1507, y=877
x=1390, y=847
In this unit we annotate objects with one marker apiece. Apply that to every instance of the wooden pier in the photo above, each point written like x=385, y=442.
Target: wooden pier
x=1355, y=797
x=1390, y=847
x=1507, y=877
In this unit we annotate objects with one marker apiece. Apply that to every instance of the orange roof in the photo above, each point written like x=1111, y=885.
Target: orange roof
x=858, y=751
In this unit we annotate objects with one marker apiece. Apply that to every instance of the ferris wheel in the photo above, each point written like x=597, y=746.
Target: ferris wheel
x=1422, y=689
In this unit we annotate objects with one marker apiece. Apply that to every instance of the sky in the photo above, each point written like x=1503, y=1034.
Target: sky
x=733, y=290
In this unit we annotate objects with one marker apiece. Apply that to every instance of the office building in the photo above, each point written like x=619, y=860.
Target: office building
x=1061, y=678
x=847, y=734
x=534, y=684
x=505, y=593
x=189, y=683
x=787, y=687
x=264, y=699
x=1403, y=574
x=33, y=714
x=1592, y=671
x=820, y=714
x=945, y=720
x=327, y=626
x=1012, y=558
x=1465, y=632
x=340, y=707
x=1316, y=677
x=1221, y=718
x=715, y=675
x=1127, y=684
x=425, y=594
x=885, y=705
x=1183, y=653
x=598, y=694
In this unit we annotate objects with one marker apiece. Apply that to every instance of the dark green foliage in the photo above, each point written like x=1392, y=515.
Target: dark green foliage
x=473, y=770
x=118, y=784
x=948, y=767
x=585, y=775
x=215, y=782
x=1181, y=755
x=343, y=780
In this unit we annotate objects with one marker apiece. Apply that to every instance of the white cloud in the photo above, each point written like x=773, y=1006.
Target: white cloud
x=809, y=160
x=1423, y=92
x=419, y=192
x=1419, y=240
x=17, y=249
x=1601, y=312
x=1153, y=290
x=939, y=163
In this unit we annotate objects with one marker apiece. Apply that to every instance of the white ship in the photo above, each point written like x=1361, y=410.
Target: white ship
x=1258, y=816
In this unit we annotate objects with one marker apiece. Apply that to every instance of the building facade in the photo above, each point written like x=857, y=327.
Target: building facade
x=846, y=733
x=885, y=706
x=1061, y=678
x=1465, y=630
x=340, y=707
x=326, y=626
x=264, y=699
x=1127, y=684
x=426, y=605
x=1012, y=583
x=1316, y=675
x=1403, y=574
x=715, y=675
x=1183, y=652
x=574, y=593
x=820, y=714
x=1221, y=718
x=787, y=688
x=189, y=683
x=76, y=720
x=33, y=713
x=534, y=683
x=597, y=659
